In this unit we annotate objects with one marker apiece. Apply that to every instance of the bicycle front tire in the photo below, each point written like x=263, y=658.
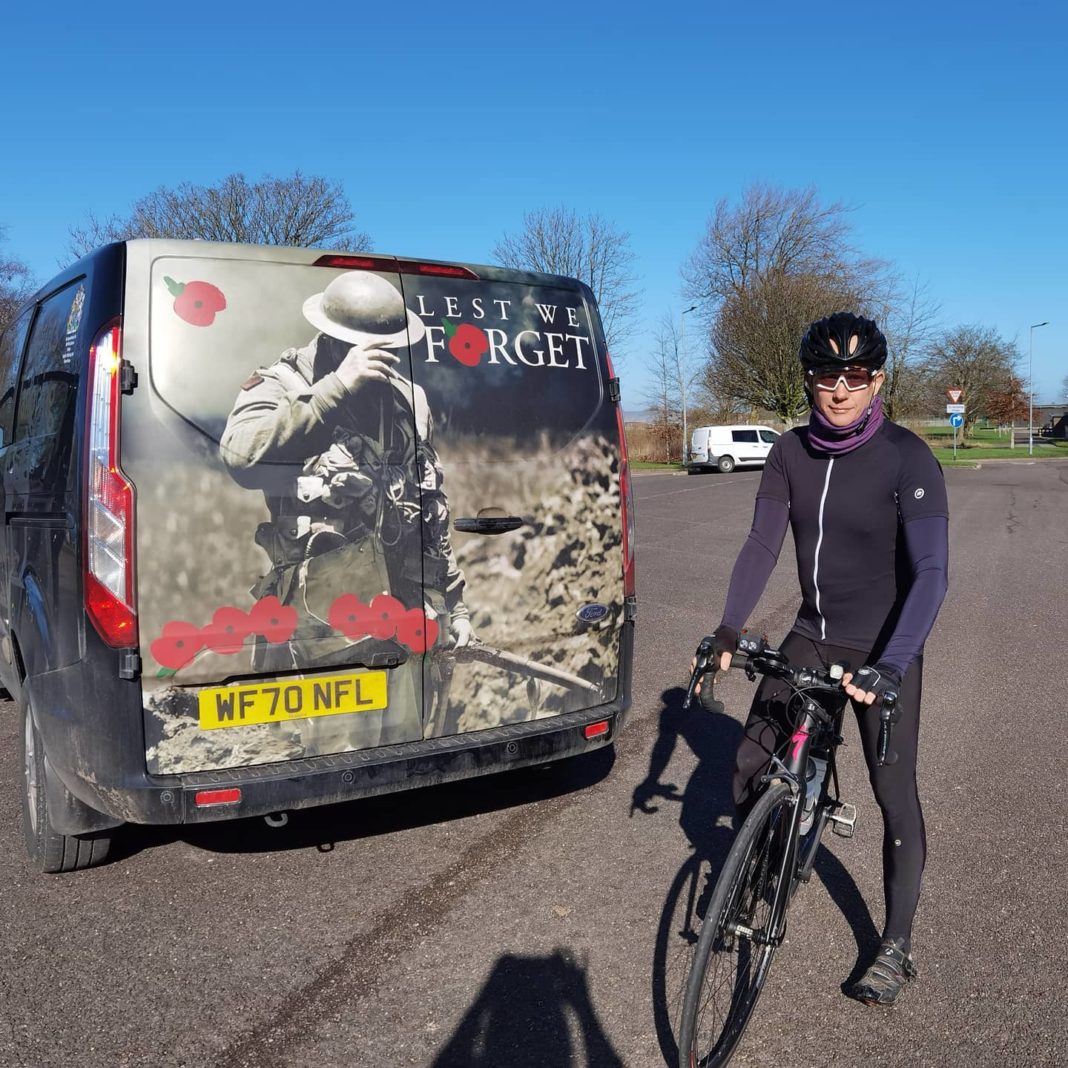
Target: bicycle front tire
x=737, y=941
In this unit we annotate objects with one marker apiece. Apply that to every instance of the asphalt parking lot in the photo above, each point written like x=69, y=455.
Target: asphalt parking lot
x=528, y=919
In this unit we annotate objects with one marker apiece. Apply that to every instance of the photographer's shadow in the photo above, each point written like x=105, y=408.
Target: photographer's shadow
x=531, y=1012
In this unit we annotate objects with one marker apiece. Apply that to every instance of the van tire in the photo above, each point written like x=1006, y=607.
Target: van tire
x=48, y=849
x=725, y=464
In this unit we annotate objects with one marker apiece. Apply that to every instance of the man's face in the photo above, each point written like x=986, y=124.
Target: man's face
x=839, y=404
x=333, y=349
x=842, y=394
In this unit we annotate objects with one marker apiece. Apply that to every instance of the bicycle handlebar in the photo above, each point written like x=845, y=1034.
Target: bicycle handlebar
x=755, y=656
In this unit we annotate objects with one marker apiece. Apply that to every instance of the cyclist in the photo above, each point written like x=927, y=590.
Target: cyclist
x=866, y=501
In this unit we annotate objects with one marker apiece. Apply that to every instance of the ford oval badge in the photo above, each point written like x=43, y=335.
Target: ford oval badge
x=590, y=613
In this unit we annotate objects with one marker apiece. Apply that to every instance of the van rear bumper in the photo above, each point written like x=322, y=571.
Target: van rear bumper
x=105, y=770
x=346, y=776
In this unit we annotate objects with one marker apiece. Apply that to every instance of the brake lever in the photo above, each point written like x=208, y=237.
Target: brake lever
x=702, y=658
x=887, y=719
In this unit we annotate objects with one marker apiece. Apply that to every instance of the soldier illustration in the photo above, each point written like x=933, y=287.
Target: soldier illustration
x=340, y=442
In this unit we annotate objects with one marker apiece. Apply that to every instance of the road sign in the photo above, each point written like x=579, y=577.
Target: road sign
x=956, y=420
x=955, y=395
x=955, y=409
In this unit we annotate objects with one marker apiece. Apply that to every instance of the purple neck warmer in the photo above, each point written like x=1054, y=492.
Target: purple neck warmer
x=836, y=440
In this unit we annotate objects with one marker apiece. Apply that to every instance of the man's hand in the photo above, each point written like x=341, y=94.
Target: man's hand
x=870, y=684
x=644, y=793
x=363, y=364
x=461, y=631
x=724, y=646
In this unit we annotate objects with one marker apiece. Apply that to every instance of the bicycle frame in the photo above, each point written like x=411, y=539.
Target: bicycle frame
x=816, y=724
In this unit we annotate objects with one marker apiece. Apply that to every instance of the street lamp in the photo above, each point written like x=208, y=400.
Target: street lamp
x=682, y=381
x=1031, y=390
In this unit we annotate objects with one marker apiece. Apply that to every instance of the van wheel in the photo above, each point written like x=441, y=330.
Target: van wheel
x=725, y=464
x=49, y=850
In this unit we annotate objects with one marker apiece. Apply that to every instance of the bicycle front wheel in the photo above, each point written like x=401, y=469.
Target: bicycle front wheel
x=740, y=932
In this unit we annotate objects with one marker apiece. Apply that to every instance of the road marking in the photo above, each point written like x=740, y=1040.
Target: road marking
x=690, y=489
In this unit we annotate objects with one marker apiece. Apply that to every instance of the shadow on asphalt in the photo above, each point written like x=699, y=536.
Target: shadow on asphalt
x=705, y=816
x=324, y=826
x=532, y=1012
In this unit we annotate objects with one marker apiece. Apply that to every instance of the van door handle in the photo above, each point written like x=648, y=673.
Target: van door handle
x=489, y=524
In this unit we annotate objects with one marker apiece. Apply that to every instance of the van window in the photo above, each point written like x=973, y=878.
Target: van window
x=10, y=351
x=748, y=436
x=769, y=437
x=50, y=374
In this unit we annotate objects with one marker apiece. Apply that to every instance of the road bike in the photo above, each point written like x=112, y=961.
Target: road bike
x=773, y=851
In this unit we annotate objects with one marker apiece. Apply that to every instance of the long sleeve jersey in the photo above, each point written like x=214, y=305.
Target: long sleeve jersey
x=870, y=531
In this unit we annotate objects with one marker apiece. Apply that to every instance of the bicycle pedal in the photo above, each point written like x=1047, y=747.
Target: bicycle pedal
x=844, y=820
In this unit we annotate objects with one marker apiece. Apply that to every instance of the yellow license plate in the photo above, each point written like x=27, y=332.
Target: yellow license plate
x=279, y=702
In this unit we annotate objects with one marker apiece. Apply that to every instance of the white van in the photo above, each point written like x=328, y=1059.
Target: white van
x=727, y=447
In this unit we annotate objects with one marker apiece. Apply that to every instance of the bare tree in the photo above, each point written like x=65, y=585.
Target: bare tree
x=558, y=241
x=764, y=270
x=975, y=359
x=771, y=232
x=662, y=395
x=907, y=316
x=16, y=284
x=296, y=210
x=675, y=373
x=755, y=338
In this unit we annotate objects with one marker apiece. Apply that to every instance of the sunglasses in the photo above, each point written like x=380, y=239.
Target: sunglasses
x=855, y=378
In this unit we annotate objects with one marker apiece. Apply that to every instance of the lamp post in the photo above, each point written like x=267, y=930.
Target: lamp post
x=1031, y=390
x=680, y=361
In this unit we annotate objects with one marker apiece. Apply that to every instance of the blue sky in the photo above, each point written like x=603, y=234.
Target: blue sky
x=943, y=126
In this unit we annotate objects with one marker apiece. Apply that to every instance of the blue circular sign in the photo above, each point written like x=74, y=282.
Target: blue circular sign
x=956, y=420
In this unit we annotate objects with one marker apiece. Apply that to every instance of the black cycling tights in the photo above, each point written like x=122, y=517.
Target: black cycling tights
x=904, y=838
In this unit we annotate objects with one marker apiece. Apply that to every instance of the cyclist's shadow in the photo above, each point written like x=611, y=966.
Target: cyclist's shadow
x=706, y=817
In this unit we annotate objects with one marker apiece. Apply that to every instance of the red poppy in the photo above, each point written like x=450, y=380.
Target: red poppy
x=177, y=645
x=468, y=344
x=274, y=620
x=386, y=612
x=351, y=616
x=196, y=302
x=227, y=631
x=417, y=630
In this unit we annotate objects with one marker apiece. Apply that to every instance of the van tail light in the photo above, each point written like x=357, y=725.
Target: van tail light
x=108, y=558
x=391, y=265
x=626, y=496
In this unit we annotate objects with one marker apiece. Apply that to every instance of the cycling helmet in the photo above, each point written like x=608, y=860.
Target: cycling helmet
x=826, y=343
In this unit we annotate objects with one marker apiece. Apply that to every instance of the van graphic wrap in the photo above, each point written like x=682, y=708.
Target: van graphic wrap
x=196, y=302
x=299, y=469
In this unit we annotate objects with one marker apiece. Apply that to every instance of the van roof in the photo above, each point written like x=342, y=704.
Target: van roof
x=292, y=254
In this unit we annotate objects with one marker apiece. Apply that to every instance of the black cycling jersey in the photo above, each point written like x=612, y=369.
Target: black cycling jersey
x=847, y=513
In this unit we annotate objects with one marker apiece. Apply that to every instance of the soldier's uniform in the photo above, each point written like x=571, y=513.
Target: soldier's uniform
x=354, y=488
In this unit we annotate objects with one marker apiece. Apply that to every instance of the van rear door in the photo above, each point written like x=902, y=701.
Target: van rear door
x=521, y=501
x=270, y=499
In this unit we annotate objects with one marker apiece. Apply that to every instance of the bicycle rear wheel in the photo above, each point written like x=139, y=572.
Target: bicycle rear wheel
x=741, y=929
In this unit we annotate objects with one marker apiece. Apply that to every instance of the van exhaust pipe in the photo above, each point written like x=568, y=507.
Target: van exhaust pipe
x=276, y=819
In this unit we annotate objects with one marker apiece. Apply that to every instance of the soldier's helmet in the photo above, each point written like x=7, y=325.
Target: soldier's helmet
x=361, y=307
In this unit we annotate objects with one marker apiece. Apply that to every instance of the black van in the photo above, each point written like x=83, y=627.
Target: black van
x=283, y=528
